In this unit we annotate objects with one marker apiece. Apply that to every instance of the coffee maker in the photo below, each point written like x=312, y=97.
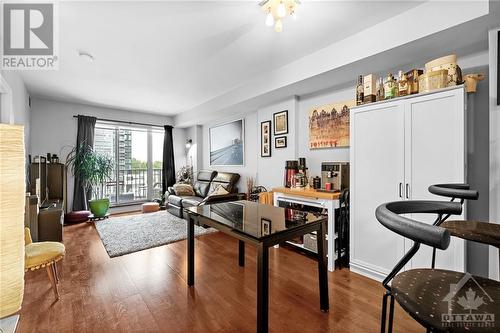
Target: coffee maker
x=335, y=173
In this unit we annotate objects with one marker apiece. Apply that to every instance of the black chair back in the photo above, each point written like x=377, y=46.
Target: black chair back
x=389, y=216
x=454, y=191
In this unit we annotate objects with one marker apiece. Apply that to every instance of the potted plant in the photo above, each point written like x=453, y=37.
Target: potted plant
x=93, y=169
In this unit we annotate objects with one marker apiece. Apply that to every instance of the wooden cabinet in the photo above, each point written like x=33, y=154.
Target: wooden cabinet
x=398, y=149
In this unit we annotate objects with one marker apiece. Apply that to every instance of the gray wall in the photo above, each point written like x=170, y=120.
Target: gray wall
x=54, y=129
x=478, y=168
x=494, y=144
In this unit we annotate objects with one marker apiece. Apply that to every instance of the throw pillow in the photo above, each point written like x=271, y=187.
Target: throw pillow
x=183, y=189
x=219, y=190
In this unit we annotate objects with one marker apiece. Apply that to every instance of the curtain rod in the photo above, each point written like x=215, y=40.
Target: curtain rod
x=125, y=122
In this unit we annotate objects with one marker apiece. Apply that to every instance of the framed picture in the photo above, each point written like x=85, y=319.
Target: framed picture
x=265, y=139
x=227, y=146
x=266, y=226
x=280, y=142
x=329, y=125
x=281, y=122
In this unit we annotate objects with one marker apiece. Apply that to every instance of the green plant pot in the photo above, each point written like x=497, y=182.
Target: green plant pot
x=99, y=207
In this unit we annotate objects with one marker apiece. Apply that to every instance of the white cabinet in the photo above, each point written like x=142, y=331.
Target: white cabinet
x=398, y=149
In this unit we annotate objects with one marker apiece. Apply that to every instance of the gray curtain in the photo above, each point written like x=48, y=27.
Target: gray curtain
x=84, y=136
x=168, y=171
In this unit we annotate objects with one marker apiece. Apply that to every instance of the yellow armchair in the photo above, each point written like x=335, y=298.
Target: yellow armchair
x=43, y=254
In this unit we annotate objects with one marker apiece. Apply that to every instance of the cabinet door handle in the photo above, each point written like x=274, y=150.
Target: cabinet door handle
x=407, y=191
x=401, y=190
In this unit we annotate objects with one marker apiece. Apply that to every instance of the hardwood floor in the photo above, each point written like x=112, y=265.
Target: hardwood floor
x=147, y=292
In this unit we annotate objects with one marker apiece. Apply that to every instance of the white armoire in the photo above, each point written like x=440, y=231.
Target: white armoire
x=398, y=148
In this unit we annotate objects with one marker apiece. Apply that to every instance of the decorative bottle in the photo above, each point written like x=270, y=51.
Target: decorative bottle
x=402, y=84
x=389, y=87
x=380, y=89
x=359, y=91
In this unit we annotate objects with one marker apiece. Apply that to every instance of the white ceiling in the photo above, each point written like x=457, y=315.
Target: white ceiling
x=170, y=57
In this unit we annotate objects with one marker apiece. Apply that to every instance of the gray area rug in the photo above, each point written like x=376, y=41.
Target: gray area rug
x=127, y=234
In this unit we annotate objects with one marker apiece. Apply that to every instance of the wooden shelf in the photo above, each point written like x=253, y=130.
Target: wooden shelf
x=308, y=193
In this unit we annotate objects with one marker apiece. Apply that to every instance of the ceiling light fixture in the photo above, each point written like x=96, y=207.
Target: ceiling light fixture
x=269, y=19
x=85, y=55
x=277, y=10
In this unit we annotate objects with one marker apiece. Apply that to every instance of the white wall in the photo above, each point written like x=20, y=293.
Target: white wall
x=54, y=129
x=270, y=169
x=494, y=148
x=316, y=156
x=266, y=171
x=20, y=112
x=194, y=156
x=251, y=149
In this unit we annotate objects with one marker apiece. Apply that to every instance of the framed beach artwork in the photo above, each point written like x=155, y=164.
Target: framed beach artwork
x=281, y=122
x=265, y=139
x=227, y=146
x=329, y=125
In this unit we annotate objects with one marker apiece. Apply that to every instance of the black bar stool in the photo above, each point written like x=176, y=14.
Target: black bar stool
x=481, y=232
x=433, y=297
x=453, y=191
x=343, y=230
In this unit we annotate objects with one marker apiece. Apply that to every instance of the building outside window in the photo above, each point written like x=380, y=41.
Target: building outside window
x=137, y=153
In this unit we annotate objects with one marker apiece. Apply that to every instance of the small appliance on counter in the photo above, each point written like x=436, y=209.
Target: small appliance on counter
x=300, y=179
x=334, y=176
x=316, y=183
x=291, y=168
x=296, y=174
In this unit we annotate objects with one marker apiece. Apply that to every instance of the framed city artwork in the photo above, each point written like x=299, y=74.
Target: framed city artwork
x=227, y=146
x=265, y=139
x=281, y=122
x=329, y=125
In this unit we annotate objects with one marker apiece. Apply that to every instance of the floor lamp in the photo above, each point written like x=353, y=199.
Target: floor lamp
x=12, y=196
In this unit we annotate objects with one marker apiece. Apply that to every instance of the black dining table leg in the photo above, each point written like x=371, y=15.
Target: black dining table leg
x=262, y=288
x=322, y=267
x=241, y=253
x=190, y=256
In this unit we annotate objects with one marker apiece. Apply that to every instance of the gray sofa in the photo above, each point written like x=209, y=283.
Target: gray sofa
x=206, y=182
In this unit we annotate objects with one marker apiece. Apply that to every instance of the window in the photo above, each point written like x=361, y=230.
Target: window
x=137, y=153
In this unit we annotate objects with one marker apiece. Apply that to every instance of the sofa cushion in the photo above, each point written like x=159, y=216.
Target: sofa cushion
x=175, y=200
x=191, y=201
x=218, y=190
x=183, y=189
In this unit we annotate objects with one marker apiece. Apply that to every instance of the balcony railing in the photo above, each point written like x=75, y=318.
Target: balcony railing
x=132, y=186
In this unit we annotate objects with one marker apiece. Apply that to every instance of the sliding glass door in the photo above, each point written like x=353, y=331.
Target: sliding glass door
x=137, y=156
